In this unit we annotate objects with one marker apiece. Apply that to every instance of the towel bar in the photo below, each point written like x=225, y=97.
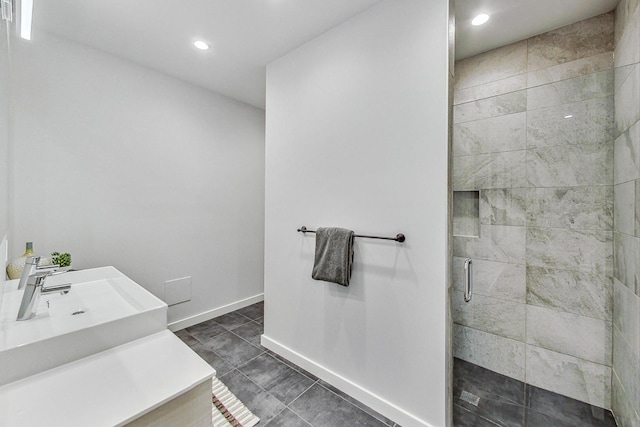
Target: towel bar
x=399, y=237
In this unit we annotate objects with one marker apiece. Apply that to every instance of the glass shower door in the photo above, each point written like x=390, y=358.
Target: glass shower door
x=533, y=210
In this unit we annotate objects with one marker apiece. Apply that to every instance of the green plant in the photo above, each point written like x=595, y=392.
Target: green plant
x=63, y=260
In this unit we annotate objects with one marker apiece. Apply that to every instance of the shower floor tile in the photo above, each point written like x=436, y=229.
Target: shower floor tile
x=275, y=389
x=492, y=399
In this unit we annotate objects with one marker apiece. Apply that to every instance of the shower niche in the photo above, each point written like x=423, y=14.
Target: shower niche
x=466, y=213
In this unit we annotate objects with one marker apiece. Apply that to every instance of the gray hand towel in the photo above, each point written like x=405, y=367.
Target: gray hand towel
x=334, y=255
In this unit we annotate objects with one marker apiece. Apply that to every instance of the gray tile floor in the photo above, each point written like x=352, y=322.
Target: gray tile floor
x=276, y=390
x=283, y=394
x=504, y=401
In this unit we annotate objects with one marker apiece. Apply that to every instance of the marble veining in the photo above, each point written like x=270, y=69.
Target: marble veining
x=588, y=251
x=627, y=155
x=626, y=411
x=571, y=334
x=503, y=206
x=628, y=46
x=502, y=133
x=494, y=279
x=570, y=165
x=637, y=215
x=585, y=294
x=596, y=85
x=496, y=243
x=499, y=354
x=626, y=265
x=514, y=102
x=580, y=67
x=625, y=207
x=485, y=171
x=585, y=208
x=627, y=314
x=623, y=13
x=580, y=40
x=487, y=90
x=578, y=123
x=497, y=64
x=627, y=366
x=620, y=75
x=574, y=377
x=496, y=316
x=626, y=103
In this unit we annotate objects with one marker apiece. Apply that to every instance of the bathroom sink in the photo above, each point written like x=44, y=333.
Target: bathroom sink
x=104, y=309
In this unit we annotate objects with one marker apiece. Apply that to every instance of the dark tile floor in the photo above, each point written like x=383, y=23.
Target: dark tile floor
x=283, y=394
x=276, y=390
x=504, y=401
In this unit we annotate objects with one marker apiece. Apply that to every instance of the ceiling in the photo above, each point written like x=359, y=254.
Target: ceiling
x=245, y=35
x=514, y=20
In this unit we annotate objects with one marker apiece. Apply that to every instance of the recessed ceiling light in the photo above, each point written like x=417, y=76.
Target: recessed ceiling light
x=480, y=19
x=199, y=44
x=568, y=116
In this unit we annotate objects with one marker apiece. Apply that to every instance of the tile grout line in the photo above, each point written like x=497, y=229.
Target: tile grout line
x=297, y=414
x=545, y=68
x=269, y=393
x=298, y=397
x=294, y=368
x=357, y=407
x=225, y=359
x=527, y=107
x=247, y=341
x=275, y=416
x=262, y=389
x=477, y=415
x=287, y=406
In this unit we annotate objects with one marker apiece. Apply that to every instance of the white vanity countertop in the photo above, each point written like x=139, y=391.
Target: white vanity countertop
x=103, y=310
x=110, y=388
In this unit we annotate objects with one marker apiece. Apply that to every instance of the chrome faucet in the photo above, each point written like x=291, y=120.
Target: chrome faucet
x=30, y=267
x=33, y=290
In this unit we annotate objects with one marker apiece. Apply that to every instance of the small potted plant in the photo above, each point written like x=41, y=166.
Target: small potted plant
x=63, y=260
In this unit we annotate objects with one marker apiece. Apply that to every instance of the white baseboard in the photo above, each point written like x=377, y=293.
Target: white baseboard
x=208, y=315
x=365, y=396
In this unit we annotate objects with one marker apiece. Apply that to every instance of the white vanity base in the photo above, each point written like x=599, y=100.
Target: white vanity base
x=192, y=409
x=155, y=380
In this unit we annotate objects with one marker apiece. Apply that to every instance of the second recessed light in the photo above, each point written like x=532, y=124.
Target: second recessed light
x=480, y=19
x=199, y=44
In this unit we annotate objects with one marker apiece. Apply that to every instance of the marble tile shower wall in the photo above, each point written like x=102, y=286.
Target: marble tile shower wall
x=626, y=236
x=534, y=133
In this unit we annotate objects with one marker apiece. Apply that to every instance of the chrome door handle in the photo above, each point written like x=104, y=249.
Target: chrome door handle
x=468, y=279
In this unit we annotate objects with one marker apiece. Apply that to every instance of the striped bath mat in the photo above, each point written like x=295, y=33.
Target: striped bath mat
x=228, y=410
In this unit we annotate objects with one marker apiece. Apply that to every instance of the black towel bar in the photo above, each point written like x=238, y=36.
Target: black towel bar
x=399, y=237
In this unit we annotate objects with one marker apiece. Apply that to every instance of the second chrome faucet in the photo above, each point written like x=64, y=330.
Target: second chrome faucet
x=34, y=279
x=31, y=266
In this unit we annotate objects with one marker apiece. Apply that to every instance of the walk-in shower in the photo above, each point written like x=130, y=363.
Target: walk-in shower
x=535, y=184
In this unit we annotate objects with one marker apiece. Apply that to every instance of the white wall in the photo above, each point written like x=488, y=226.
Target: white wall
x=121, y=165
x=357, y=138
x=4, y=151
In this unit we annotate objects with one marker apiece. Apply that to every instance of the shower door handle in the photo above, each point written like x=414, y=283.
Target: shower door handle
x=468, y=279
